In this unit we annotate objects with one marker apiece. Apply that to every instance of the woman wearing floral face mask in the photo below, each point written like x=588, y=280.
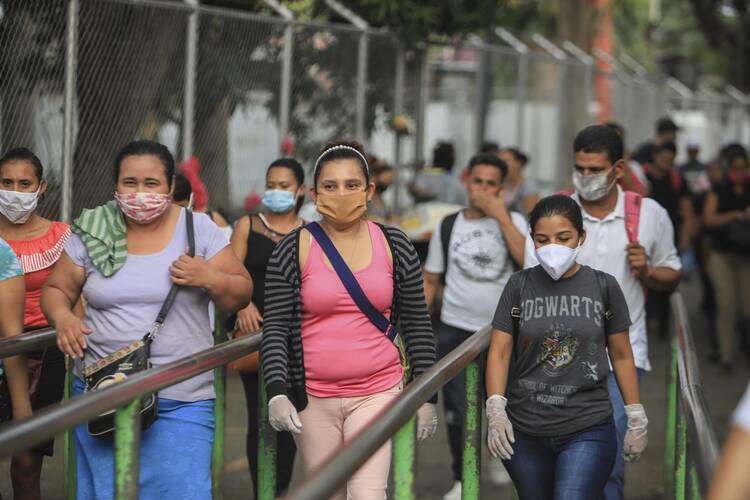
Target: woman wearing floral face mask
x=253, y=241
x=322, y=355
x=727, y=212
x=549, y=413
x=124, y=256
x=38, y=243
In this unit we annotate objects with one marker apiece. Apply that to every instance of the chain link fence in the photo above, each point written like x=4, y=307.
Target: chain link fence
x=229, y=87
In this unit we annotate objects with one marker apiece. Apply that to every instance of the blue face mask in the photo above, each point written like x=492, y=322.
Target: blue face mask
x=279, y=201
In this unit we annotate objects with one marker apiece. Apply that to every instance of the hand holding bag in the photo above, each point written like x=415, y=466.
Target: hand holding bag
x=130, y=360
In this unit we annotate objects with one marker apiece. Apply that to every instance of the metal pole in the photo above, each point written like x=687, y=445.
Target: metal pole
x=481, y=97
x=267, y=447
x=472, y=455
x=191, y=64
x=404, y=458
x=398, y=110
x=671, y=421
x=71, y=63
x=286, y=81
x=424, y=83
x=127, y=450
x=220, y=404
x=361, y=95
x=69, y=456
x=680, y=466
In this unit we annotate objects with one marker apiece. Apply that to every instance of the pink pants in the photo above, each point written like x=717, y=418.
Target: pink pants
x=327, y=423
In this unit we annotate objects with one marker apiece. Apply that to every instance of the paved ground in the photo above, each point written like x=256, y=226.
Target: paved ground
x=644, y=479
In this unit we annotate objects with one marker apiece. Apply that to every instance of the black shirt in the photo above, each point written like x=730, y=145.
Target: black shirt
x=667, y=191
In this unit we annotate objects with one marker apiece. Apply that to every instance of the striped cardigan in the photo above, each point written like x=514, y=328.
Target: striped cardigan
x=281, y=348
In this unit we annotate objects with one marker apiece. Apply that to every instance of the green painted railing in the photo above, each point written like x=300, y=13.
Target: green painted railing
x=692, y=448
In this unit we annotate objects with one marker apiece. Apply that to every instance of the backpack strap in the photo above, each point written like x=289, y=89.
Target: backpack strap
x=350, y=282
x=446, y=229
x=601, y=279
x=516, y=311
x=632, y=214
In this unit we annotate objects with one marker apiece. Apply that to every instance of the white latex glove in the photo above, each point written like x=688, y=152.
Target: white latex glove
x=499, y=429
x=282, y=415
x=636, y=437
x=426, y=421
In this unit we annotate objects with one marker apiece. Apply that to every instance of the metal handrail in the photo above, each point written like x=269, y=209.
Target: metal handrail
x=702, y=443
x=350, y=457
x=20, y=435
x=27, y=342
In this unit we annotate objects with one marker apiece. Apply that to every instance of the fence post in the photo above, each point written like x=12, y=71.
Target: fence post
x=69, y=456
x=286, y=81
x=472, y=455
x=404, y=460
x=127, y=450
x=680, y=466
x=424, y=87
x=71, y=63
x=191, y=64
x=398, y=109
x=670, y=426
x=267, y=452
x=361, y=95
x=220, y=404
x=522, y=82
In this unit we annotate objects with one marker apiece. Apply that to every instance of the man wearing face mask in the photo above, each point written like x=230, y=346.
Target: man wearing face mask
x=649, y=262
x=473, y=253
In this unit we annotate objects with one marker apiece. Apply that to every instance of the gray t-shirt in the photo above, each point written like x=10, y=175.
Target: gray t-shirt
x=557, y=382
x=122, y=308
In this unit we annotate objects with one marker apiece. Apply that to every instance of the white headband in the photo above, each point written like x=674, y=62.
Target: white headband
x=341, y=146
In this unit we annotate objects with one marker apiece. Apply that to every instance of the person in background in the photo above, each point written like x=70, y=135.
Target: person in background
x=694, y=171
x=670, y=190
x=199, y=194
x=650, y=262
x=383, y=177
x=253, y=240
x=489, y=147
x=634, y=178
x=328, y=369
x=549, y=415
x=38, y=242
x=666, y=131
x=727, y=213
x=124, y=256
x=731, y=480
x=437, y=183
x=14, y=379
x=521, y=192
x=485, y=245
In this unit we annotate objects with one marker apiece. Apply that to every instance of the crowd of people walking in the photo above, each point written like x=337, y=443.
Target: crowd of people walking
x=351, y=310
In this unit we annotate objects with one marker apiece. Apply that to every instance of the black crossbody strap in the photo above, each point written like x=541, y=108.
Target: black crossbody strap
x=169, y=301
x=516, y=311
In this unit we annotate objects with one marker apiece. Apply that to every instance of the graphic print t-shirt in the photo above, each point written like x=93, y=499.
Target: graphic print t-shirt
x=557, y=382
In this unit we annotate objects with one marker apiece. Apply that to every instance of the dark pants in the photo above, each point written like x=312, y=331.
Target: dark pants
x=572, y=467
x=658, y=311
x=285, y=444
x=454, y=395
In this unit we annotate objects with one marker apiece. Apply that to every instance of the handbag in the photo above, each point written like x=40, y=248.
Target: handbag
x=737, y=235
x=355, y=291
x=130, y=360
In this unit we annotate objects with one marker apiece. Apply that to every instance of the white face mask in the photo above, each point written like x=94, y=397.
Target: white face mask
x=556, y=259
x=592, y=187
x=17, y=206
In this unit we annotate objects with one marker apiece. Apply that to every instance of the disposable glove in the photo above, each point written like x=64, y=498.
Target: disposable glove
x=427, y=421
x=687, y=258
x=636, y=437
x=283, y=416
x=499, y=429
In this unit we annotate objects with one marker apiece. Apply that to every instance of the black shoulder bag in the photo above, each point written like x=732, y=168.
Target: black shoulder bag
x=130, y=360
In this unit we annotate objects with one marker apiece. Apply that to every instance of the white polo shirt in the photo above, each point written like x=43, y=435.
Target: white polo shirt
x=605, y=249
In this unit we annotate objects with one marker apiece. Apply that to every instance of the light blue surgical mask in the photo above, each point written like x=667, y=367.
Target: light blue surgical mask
x=279, y=201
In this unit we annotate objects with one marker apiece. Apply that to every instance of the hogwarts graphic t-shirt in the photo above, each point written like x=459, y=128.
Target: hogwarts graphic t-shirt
x=557, y=383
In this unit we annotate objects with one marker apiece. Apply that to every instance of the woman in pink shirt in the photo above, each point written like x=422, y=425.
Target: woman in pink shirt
x=322, y=356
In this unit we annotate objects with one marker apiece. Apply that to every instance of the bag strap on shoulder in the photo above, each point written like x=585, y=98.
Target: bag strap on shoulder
x=350, y=282
x=632, y=214
x=516, y=311
x=169, y=301
x=601, y=279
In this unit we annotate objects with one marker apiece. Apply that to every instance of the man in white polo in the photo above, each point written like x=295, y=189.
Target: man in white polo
x=650, y=262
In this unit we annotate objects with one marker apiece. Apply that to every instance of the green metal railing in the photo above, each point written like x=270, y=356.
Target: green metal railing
x=16, y=436
x=692, y=449
x=397, y=420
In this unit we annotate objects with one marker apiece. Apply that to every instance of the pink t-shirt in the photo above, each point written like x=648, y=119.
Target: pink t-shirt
x=345, y=354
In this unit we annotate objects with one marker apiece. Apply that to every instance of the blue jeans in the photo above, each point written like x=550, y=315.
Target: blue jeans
x=616, y=484
x=571, y=467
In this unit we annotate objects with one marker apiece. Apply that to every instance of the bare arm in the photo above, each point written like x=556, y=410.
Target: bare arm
x=239, y=238
x=711, y=216
x=431, y=285
x=60, y=303
x=731, y=480
x=513, y=238
x=621, y=355
x=498, y=361
x=663, y=279
x=688, y=229
x=230, y=286
x=11, y=324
